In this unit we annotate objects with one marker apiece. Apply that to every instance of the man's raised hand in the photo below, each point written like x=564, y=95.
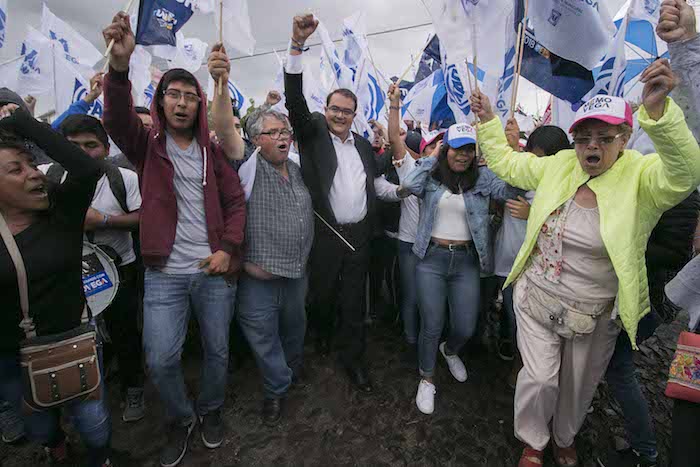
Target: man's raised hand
x=219, y=63
x=302, y=28
x=124, y=41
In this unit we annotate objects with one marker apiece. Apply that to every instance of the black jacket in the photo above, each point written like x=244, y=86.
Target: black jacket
x=318, y=158
x=670, y=245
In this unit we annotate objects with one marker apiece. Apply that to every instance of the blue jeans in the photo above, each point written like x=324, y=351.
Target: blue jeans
x=272, y=316
x=90, y=418
x=409, y=301
x=166, y=316
x=451, y=275
x=624, y=387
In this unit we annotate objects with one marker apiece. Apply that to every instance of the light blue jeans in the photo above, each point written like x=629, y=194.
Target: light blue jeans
x=452, y=276
x=272, y=316
x=409, y=301
x=166, y=316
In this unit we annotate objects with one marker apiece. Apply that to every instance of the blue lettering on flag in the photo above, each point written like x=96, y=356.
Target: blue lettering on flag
x=96, y=283
x=29, y=64
x=3, y=21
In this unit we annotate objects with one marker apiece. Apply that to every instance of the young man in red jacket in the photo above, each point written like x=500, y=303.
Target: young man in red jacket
x=192, y=223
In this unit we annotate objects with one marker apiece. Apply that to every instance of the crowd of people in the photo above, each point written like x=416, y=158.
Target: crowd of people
x=262, y=225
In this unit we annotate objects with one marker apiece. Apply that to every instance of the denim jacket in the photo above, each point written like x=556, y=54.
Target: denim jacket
x=477, y=201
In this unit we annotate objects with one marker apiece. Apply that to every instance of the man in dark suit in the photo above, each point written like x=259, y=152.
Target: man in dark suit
x=339, y=170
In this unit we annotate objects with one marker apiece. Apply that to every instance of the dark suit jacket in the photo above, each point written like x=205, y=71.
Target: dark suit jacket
x=318, y=158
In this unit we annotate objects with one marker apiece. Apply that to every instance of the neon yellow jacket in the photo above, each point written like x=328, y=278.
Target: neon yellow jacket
x=632, y=195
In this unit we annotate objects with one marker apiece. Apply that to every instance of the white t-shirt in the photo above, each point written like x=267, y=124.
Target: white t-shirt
x=410, y=206
x=105, y=202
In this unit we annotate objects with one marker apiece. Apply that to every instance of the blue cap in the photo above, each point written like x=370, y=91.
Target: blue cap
x=461, y=134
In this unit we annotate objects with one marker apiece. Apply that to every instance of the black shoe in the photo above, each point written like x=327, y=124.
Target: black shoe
x=298, y=376
x=626, y=458
x=505, y=350
x=211, y=428
x=176, y=445
x=323, y=346
x=272, y=411
x=360, y=378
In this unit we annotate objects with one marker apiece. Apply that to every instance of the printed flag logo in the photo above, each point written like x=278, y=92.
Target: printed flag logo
x=554, y=17
x=29, y=65
x=455, y=89
x=79, y=91
x=3, y=20
x=165, y=18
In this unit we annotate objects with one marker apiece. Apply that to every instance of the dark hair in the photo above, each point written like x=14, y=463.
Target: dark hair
x=345, y=93
x=14, y=145
x=454, y=181
x=551, y=139
x=234, y=106
x=142, y=111
x=177, y=74
x=78, y=123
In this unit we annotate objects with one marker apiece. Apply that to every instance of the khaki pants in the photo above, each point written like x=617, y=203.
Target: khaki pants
x=558, y=379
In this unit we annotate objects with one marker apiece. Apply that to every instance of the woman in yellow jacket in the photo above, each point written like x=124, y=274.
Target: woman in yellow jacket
x=582, y=263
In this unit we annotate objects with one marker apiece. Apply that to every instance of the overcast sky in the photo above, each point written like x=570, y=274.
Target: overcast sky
x=271, y=23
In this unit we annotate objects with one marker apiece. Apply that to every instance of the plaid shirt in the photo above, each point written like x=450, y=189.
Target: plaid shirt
x=279, y=227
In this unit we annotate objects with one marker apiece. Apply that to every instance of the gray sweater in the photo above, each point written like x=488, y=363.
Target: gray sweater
x=685, y=61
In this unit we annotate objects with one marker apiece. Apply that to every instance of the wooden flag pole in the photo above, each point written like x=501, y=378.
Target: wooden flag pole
x=111, y=43
x=221, y=39
x=522, y=29
x=413, y=62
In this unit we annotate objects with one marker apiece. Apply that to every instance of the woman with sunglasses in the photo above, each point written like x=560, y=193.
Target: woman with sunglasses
x=581, y=269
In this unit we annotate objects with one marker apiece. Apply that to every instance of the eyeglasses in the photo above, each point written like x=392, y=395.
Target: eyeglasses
x=176, y=95
x=278, y=134
x=338, y=111
x=601, y=140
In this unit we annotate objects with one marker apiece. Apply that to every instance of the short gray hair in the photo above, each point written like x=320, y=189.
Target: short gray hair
x=256, y=120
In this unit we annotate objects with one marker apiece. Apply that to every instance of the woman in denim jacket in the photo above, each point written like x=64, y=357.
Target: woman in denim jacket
x=454, y=247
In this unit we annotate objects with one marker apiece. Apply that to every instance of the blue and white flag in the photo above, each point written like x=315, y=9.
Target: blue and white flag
x=9, y=73
x=430, y=61
x=335, y=73
x=74, y=46
x=3, y=21
x=148, y=94
x=241, y=101
x=160, y=20
x=366, y=82
x=576, y=30
x=71, y=86
x=426, y=102
x=36, y=71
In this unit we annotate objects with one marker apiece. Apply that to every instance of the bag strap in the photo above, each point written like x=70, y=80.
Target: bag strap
x=117, y=185
x=27, y=323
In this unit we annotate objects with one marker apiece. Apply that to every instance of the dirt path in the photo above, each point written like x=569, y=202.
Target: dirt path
x=327, y=424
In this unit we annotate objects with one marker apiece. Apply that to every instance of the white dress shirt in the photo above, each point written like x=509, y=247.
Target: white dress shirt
x=348, y=195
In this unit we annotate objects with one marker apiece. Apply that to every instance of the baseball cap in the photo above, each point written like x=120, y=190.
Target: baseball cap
x=429, y=138
x=609, y=109
x=413, y=141
x=461, y=134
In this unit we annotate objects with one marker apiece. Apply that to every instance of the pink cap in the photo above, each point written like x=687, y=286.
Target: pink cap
x=609, y=109
x=430, y=137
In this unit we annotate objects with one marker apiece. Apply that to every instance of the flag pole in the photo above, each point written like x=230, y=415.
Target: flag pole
x=111, y=43
x=522, y=29
x=221, y=39
x=476, y=83
x=413, y=62
x=334, y=231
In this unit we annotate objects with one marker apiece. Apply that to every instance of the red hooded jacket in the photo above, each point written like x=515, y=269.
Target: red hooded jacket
x=224, y=200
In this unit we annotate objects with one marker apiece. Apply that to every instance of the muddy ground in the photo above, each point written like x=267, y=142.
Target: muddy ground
x=327, y=424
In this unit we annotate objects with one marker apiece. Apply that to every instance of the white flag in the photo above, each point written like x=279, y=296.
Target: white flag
x=140, y=74
x=238, y=33
x=423, y=97
x=191, y=53
x=9, y=73
x=338, y=75
x=3, y=21
x=71, y=86
x=36, y=71
x=576, y=30
x=458, y=22
x=241, y=101
x=76, y=48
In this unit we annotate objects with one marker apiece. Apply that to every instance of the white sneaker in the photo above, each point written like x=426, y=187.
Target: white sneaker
x=425, y=397
x=455, y=364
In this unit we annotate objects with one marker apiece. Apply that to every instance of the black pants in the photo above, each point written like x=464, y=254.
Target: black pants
x=337, y=285
x=686, y=429
x=121, y=318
